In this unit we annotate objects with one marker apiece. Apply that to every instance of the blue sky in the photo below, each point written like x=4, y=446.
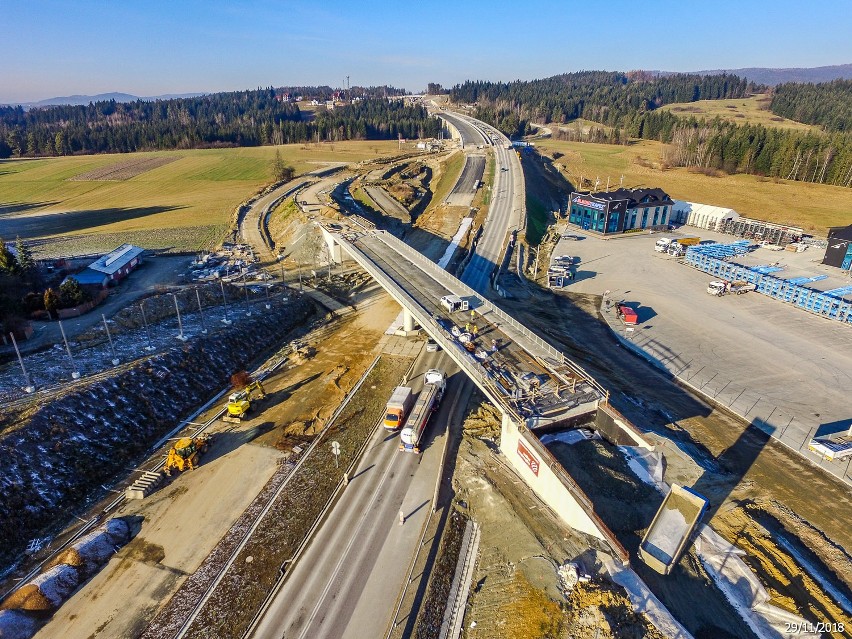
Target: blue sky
x=59, y=47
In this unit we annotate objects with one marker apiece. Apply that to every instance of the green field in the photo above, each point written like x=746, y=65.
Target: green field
x=751, y=110
x=813, y=207
x=186, y=204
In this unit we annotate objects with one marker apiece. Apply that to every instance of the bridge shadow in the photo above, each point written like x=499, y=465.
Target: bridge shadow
x=31, y=226
x=21, y=207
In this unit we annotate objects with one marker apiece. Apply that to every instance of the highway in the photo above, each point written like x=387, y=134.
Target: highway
x=507, y=210
x=347, y=581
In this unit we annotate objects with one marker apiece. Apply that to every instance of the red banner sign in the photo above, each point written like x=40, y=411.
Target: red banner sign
x=528, y=457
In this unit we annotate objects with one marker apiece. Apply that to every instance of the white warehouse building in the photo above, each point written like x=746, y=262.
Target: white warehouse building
x=703, y=216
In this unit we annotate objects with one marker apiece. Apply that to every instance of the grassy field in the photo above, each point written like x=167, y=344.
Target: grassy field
x=450, y=171
x=752, y=110
x=813, y=207
x=185, y=204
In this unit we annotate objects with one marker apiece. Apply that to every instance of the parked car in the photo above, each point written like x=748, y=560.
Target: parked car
x=432, y=346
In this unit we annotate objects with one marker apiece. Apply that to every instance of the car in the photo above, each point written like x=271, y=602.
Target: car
x=571, y=236
x=432, y=346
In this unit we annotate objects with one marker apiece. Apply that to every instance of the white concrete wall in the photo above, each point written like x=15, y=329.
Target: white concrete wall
x=572, y=506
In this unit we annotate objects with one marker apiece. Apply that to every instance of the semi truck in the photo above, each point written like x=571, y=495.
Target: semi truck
x=662, y=245
x=671, y=528
x=427, y=402
x=397, y=408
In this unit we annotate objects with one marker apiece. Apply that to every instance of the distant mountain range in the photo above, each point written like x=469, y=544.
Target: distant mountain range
x=75, y=100
x=763, y=75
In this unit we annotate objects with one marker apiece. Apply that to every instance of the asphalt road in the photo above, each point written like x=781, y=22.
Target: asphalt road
x=347, y=581
x=388, y=204
x=470, y=134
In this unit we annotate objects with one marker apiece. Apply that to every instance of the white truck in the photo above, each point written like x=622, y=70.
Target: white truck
x=721, y=287
x=454, y=303
x=662, y=245
x=435, y=381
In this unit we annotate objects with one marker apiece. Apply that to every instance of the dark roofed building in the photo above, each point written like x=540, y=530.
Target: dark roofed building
x=620, y=210
x=839, y=250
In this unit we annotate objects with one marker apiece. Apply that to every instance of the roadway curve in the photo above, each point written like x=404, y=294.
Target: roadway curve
x=507, y=211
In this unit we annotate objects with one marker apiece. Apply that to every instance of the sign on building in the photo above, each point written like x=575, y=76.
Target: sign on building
x=529, y=459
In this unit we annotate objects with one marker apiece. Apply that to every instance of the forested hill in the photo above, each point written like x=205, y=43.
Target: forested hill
x=606, y=97
x=245, y=118
x=828, y=104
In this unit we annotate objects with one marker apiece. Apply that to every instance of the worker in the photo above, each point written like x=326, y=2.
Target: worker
x=467, y=327
x=475, y=330
x=472, y=315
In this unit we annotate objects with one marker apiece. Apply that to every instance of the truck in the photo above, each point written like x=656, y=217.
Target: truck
x=662, y=245
x=627, y=315
x=671, y=528
x=454, y=303
x=688, y=241
x=721, y=287
x=831, y=447
x=435, y=381
x=398, y=406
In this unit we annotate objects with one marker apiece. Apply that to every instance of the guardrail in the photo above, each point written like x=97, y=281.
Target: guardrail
x=459, y=287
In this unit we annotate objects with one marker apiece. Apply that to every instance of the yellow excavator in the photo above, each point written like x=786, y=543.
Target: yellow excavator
x=239, y=403
x=185, y=453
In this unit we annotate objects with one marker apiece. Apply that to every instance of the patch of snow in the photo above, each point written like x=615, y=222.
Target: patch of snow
x=569, y=436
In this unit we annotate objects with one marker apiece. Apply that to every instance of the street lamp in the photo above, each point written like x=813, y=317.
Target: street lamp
x=28, y=381
x=225, y=319
x=180, y=336
x=109, y=337
x=201, y=312
x=245, y=290
x=150, y=346
x=75, y=374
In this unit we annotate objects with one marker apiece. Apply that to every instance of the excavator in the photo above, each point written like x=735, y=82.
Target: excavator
x=185, y=453
x=239, y=403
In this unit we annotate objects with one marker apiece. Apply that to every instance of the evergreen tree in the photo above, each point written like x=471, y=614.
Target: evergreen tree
x=8, y=263
x=71, y=294
x=25, y=257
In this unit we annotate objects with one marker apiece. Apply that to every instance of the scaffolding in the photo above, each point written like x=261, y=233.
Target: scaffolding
x=762, y=231
x=713, y=259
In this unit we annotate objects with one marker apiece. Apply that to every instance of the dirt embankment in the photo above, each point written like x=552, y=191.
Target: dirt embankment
x=294, y=512
x=58, y=457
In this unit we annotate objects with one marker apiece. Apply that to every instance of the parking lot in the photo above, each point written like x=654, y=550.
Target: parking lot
x=785, y=370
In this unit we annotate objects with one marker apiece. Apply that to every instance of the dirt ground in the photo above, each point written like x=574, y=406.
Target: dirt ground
x=764, y=497
x=184, y=520
x=515, y=590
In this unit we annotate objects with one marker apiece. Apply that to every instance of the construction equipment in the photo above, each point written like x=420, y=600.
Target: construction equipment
x=669, y=532
x=239, y=403
x=185, y=453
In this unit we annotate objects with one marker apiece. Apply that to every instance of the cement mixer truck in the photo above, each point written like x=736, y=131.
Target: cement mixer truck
x=427, y=402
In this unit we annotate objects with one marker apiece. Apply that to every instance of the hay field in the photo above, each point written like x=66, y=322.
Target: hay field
x=813, y=207
x=183, y=202
x=751, y=110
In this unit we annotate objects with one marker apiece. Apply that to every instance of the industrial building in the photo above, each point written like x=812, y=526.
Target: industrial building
x=620, y=210
x=839, y=250
x=112, y=267
x=703, y=216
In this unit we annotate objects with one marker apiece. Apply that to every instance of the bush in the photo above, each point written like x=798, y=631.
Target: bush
x=71, y=294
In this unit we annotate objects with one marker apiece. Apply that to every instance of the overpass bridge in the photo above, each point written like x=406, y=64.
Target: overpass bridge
x=530, y=380
x=532, y=383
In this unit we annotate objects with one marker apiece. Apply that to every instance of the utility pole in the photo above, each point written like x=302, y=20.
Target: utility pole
x=109, y=337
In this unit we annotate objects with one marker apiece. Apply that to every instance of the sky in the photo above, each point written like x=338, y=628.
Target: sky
x=154, y=47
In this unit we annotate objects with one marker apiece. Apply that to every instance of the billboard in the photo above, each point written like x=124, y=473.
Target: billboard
x=579, y=199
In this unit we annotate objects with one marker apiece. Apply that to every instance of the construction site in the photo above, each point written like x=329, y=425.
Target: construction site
x=246, y=404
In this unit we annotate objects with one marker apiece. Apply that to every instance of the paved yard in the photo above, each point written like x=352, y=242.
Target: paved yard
x=787, y=371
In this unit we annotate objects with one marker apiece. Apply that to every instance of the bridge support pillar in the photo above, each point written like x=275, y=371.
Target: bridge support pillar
x=335, y=251
x=407, y=321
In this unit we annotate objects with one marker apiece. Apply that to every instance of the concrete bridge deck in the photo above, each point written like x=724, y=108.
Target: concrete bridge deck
x=528, y=378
